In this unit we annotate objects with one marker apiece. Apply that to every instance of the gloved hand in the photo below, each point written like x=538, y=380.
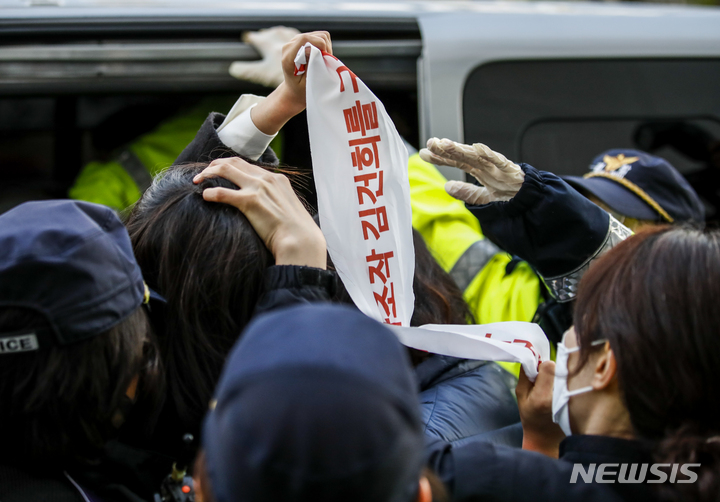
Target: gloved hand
x=500, y=177
x=269, y=43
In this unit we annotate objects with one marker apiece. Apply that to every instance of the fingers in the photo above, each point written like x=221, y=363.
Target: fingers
x=535, y=399
x=451, y=150
x=224, y=196
x=543, y=387
x=495, y=158
x=320, y=39
x=270, y=39
x=328, y=42
x=524, y=386
x=467, y=192
x=259, y=72
x=541, y=390
x=433, y=158
x=232, y=169
x=476, y=156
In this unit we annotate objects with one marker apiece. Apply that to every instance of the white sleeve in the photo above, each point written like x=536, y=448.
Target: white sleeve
x=240, y=133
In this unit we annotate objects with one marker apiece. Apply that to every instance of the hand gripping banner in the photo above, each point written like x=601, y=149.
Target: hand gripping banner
x=360, y=169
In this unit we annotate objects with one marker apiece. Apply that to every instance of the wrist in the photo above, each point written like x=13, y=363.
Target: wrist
x=288, y=99
x=280, y=106
x=308, y=250
x=546, y=443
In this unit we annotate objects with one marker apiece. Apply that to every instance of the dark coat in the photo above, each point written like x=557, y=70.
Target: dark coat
x=18, y=485
x=207, y=146
x=547, y=223
x=463, y=400
x=482, y=471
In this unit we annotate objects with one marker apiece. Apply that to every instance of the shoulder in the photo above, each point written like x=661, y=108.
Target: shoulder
x=463, y=399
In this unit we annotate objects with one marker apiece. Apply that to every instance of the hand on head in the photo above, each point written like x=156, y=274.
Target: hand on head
x=268, y=201
x=500, y=177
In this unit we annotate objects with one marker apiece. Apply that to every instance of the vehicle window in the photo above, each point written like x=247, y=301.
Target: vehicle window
x=557, y=115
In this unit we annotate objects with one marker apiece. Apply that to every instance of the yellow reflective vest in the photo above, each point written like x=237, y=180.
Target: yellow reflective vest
x=119, y=182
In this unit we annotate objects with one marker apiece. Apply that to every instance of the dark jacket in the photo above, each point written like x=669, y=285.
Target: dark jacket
x=70, y=483
x=463, y=400
x=18, y=485
x=482, y=471
x=558, y=232
x=207, y=146
x=547, y=223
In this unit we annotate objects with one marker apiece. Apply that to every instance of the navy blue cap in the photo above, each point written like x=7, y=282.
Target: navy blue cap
x=317, y=403
x=642, y=186
x=73, y=263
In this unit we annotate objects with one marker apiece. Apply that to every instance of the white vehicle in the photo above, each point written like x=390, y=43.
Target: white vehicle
x=552, y=84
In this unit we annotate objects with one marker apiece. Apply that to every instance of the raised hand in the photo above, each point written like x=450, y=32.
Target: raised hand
x=500, y=177
x=289, y=98
x=296, y=83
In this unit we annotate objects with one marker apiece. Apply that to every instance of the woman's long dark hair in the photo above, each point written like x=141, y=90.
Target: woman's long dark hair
x=654, y=297
x=208, y=262
x=438, y=300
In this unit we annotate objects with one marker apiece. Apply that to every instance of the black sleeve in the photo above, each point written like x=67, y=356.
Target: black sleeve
x=548, y=223
x=287, y=285
x=206, y=146
x=553, y=227
x=481, y=471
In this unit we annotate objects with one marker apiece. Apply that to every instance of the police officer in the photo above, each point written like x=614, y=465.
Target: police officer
x=76, y=348
x=639, y=189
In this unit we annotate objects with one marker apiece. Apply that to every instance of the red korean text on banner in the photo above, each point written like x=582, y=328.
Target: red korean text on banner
x=365, y=190
x=383, y=263
x=360, y=172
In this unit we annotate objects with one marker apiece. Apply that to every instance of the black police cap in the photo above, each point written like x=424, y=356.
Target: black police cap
x=71, y=262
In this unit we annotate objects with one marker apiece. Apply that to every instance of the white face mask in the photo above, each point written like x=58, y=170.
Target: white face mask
x=561, y=394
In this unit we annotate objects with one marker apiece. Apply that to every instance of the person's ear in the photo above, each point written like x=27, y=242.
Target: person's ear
x=424, y=490
x=605, y=368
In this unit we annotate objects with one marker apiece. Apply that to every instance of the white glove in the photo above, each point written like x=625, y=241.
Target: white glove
x=269, y=44
x=500, y=177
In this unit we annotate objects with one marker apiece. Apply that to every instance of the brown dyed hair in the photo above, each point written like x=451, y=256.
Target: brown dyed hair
x=654, y=298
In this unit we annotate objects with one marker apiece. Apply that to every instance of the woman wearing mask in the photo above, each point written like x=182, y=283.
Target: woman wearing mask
x=633, y=382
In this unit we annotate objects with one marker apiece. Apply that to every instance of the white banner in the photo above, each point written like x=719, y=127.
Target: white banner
x=520, y=342
x=360, y=169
